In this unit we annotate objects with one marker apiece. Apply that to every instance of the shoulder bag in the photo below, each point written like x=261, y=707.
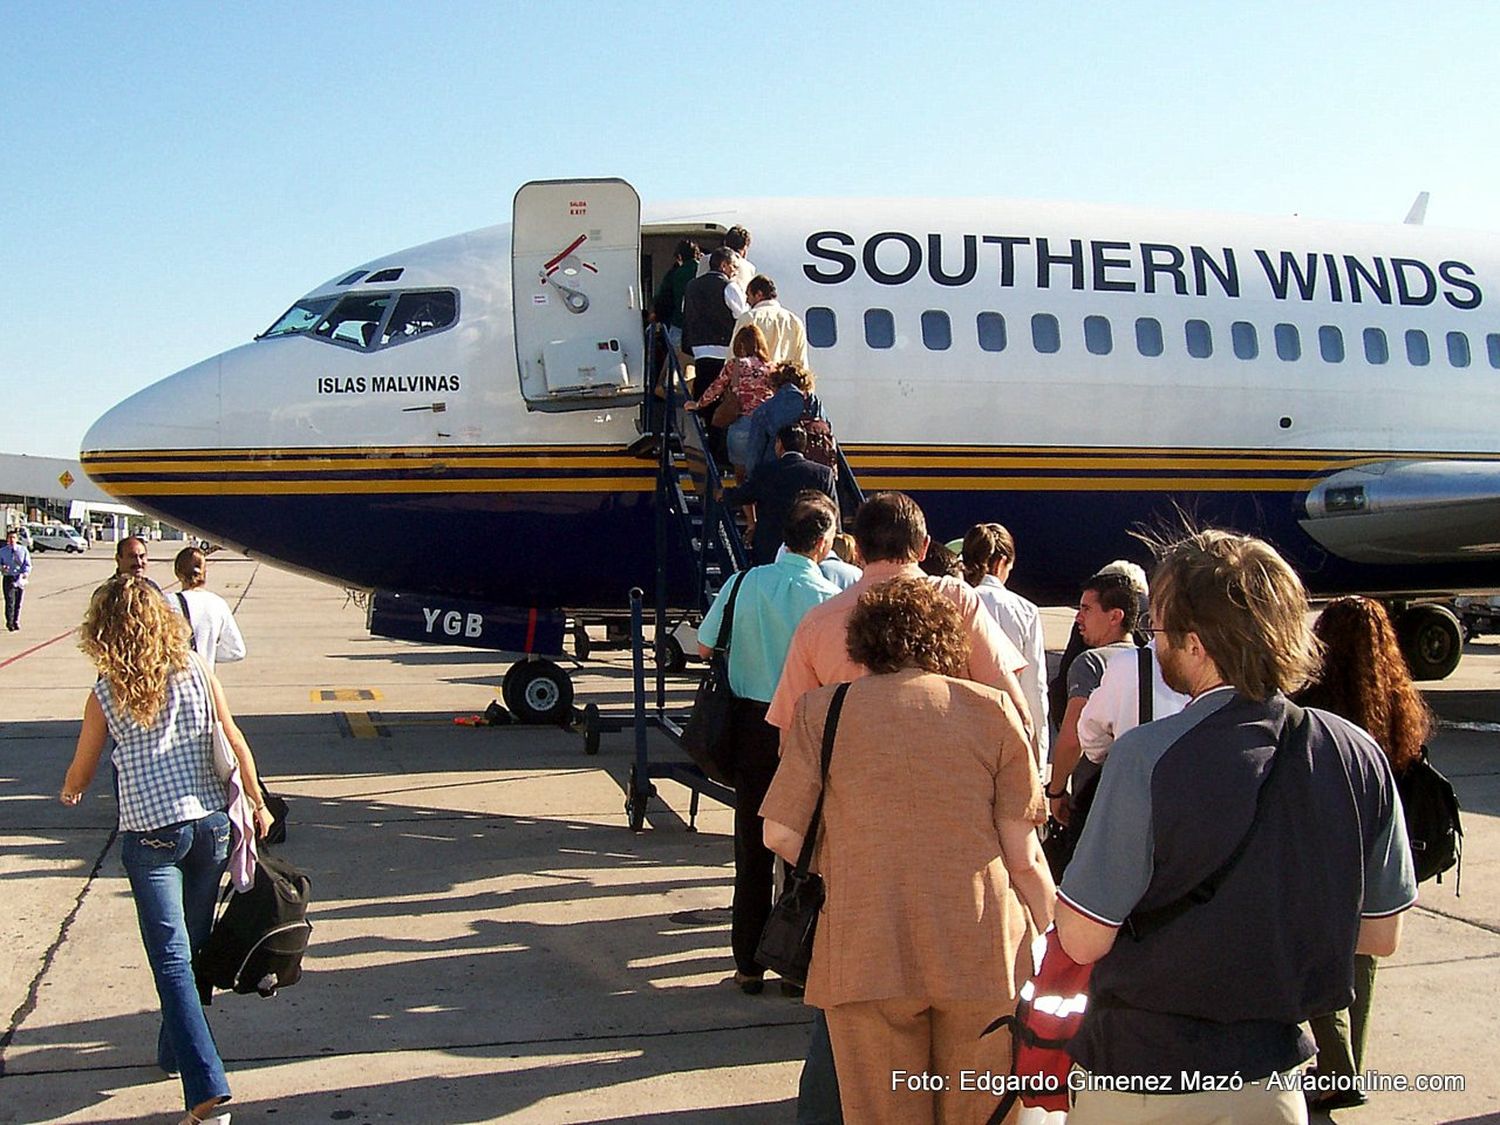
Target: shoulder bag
x=706, y=738
x=786, y=943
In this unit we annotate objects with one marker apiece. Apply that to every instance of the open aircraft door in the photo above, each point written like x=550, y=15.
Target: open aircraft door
x=575, y=280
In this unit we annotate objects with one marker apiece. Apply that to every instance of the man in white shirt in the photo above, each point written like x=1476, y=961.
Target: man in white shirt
x=782, y=328
x=989, y=556
x=216, y=637
x=737, y=239
x=1115, y=705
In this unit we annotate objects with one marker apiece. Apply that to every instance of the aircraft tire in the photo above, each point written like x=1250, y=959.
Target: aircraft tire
x=538, y=691
x=1432, y=640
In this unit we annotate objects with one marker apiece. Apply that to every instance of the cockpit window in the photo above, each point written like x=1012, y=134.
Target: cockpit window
x=356, y=320
x=360, y=320
x=417, y=313
x=351, y=278
x=301, y=317
x=384, y=277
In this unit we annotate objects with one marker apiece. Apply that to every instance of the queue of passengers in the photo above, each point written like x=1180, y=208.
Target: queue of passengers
x=940, y=780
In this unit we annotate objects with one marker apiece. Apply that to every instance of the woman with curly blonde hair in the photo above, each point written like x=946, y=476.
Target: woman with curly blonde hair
x=1364, y=679
x=158, y=702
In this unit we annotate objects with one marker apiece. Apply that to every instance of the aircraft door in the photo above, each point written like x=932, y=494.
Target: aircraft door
x=575, y=281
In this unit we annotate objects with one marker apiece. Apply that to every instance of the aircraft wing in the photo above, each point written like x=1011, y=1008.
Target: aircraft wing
x=1408, y=512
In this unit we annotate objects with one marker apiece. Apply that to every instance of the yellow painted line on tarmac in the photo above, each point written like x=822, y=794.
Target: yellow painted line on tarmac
x=360, y=724
x=346, y=695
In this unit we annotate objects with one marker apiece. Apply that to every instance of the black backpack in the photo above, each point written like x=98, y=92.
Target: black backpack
x=259, y=938
x=1432, y=822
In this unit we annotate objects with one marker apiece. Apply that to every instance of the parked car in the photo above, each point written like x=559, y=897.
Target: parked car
x=23, y=534
x=56, y=537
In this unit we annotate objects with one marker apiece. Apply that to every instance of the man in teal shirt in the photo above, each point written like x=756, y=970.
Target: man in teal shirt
x=769, y=602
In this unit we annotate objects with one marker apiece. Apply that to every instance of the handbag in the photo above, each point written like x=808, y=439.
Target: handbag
x=706, y=737
x=727, y=410
x=786, y=943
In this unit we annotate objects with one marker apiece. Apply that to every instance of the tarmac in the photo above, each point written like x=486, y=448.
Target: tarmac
x=491, y=941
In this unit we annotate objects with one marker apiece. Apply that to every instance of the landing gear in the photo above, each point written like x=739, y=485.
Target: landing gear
x=538, y=691
x=1432, y=640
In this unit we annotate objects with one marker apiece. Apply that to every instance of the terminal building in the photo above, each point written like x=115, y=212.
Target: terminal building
x=53, y=490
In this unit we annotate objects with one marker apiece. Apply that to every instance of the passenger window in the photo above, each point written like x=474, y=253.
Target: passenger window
x=419, y=313
x=1331, y=343
x=1492, y=342
x=937, y=332
x=1458, y=349
x=1097, y=336
x=1045, y=335
x=822, y=327
x=301, y=317
x=355, y=320
x=1288, y=343
x=1376, y=349
x=880, y=328
x=1148, y=339
x=1200, y=339
x=1418, y=354
x=991, y=327
x=1242, y=336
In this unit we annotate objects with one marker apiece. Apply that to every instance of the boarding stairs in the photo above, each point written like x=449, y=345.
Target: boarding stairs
x=692, y=519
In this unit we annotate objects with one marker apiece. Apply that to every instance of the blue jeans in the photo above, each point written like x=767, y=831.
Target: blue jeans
x=174, y=877
x=737, y=439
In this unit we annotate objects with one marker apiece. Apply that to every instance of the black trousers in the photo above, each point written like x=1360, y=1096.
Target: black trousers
x=13, y=592
x=755, y=759
x=705, y=371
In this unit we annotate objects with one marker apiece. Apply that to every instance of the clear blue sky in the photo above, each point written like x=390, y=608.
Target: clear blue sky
x=174, y=175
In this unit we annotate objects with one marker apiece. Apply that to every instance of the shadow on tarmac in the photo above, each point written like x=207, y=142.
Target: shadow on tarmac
x=444, y=921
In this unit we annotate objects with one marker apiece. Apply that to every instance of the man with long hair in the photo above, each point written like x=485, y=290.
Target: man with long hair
x=1248, y=847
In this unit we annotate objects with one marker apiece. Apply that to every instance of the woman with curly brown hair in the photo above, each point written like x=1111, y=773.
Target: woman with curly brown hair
x=158, y=702
x=928, y=826
x=1364, y=679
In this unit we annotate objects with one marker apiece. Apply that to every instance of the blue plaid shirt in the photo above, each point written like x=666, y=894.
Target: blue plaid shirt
x=166, y=769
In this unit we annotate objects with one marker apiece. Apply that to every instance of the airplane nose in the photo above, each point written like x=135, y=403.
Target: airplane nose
x=181, y=411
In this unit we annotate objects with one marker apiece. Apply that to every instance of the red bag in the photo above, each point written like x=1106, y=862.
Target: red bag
x=1049, y=1013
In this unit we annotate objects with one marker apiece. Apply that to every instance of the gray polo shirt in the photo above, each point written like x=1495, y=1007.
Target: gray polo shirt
x=1222, y=988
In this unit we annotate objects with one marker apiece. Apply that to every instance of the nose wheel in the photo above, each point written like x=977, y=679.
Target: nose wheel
x=538, y=691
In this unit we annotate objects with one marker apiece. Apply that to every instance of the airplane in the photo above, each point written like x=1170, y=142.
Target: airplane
x=451, y=426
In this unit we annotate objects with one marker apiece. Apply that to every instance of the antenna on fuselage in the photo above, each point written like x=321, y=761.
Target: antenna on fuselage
x=1418, y=212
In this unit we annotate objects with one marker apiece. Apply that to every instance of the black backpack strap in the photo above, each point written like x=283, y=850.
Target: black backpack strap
x=1144, y=922
x=182, y=601
x=728, y=626
x=1145, y=708
x=830, y=731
